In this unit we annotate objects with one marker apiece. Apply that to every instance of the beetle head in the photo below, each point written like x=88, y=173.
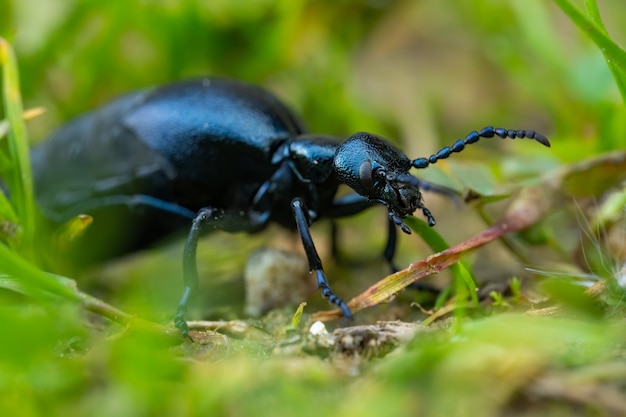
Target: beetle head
x=376, y=169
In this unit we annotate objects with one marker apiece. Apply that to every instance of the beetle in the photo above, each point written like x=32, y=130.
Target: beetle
x=216, y=153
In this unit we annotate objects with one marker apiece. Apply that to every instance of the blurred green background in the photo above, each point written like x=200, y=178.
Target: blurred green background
x=421, y=73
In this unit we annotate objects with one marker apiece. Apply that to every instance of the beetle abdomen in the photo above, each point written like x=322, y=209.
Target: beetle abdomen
x=145, y=163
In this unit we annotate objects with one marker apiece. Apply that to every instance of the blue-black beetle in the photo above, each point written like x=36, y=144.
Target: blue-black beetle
x=214, y=153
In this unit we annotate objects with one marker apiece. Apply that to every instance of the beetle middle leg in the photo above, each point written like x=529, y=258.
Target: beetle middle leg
x=207, y=218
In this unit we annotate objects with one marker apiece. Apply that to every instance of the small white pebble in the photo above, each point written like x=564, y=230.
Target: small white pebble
x=318, y=328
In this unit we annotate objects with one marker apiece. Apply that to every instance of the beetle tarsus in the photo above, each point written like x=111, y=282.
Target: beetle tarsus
x=329, y=294
x=181, y=324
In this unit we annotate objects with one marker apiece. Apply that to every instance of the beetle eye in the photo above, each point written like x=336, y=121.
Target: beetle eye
x=365, y=173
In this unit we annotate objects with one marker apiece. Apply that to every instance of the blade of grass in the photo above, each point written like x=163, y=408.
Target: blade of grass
x=462, y=277
x=620, y=79
x=35, y=282
x=392, y=284
x=56, y=285
x=615, y=56
x=19, y=177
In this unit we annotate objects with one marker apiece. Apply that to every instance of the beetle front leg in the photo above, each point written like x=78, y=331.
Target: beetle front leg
x=315, y=263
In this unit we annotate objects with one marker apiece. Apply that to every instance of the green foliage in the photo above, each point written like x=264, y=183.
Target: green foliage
x=18, y=215
x=15, y=168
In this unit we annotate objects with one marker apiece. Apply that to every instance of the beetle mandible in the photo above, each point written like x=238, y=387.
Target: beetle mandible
x=221, y=154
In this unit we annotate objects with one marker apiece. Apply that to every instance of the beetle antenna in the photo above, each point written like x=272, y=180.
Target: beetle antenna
x=487, y=132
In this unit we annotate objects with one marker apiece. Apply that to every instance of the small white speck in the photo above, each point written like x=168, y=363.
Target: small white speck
x=206, y=82
x=318, y=328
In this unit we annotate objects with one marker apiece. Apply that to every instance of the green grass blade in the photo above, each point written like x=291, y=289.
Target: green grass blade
x=433, y=239
x=32, y=280
x=620, y=78
x=463, y=279
x=593, y=27
x=19, y=177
